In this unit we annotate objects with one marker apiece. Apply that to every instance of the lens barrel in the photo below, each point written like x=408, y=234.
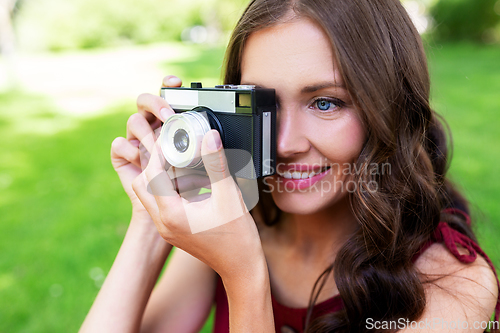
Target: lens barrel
x=181, y=137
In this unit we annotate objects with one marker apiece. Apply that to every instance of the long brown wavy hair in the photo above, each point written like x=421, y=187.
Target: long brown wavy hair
x=382, y=61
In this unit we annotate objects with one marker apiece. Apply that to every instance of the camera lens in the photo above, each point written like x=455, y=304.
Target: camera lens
x=181, y=140
x=181, y=137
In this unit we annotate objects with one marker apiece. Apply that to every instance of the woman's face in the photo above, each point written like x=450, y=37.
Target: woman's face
x=318, y=126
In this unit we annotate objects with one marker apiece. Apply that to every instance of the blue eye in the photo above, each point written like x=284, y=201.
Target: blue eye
x=323, y=104
x=327, y=105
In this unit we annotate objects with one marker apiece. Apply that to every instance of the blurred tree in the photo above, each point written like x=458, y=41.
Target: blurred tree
x=78, y=24
x=465, y=19
x=7, y=37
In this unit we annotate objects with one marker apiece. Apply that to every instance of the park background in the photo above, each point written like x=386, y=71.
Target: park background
x=70, y=71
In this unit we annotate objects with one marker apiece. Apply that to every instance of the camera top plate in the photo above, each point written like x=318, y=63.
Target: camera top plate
x=227, y=98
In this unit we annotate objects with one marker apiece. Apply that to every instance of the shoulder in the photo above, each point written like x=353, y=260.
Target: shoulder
x=454, y=288
x=437, y=260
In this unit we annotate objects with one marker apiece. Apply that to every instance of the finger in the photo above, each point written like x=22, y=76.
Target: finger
x=171, y=81
x=153, y=108
x=124, y=152
x=215, y=162
x=139, y=128
x=159, y=182
x=214, y=158
x=226, y=198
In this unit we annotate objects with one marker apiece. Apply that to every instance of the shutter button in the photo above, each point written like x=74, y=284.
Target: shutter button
x=287, y=329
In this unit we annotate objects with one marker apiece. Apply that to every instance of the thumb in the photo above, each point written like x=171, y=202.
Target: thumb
x=214, y=158
x=226, y=197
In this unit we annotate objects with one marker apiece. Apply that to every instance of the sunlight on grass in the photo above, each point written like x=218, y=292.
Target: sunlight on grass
x=203, y=64
x=28, y=114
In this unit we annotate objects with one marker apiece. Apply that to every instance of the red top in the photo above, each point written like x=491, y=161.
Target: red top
x=288, y=319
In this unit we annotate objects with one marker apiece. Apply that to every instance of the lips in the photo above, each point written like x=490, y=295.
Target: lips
x=301, y=177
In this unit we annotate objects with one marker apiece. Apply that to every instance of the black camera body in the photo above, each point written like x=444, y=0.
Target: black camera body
x=244, y=115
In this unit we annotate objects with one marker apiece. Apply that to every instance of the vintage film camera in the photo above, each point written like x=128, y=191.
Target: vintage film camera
x=244, y=115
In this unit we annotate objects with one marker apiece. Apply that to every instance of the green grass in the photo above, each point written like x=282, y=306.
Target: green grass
x=465, y=90
x=63, y=212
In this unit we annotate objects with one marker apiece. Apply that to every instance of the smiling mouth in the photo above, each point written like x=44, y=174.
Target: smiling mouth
x=301, y=175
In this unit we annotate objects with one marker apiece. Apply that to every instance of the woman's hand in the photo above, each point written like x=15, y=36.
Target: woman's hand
x=126, y=152
x=217, y=230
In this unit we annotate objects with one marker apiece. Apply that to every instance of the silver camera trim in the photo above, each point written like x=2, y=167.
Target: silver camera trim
x=220, y=101
x=266, y=143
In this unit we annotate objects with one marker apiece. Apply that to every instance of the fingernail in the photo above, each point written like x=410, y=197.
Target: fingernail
x=213, y=141
x=164, y=114
x=174, y=80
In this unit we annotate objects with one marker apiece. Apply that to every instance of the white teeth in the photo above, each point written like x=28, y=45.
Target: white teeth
x=296, y=175
x=299, y=175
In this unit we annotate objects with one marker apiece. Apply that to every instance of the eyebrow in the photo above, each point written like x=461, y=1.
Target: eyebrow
x=312, y=88
x=319, y=86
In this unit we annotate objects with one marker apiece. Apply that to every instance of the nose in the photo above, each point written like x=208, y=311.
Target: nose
x=292, y=134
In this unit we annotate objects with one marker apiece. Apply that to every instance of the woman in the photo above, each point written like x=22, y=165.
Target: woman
x=386, y=246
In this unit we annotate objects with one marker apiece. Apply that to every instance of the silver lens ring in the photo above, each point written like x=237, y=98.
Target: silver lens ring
x=181, y=137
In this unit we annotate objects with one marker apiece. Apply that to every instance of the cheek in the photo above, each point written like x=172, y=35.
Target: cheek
x=341, y=140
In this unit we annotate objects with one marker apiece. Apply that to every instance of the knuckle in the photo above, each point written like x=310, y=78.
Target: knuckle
x=117, y=144
x=148, y=103
x=135, y=119
x=142, y=98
